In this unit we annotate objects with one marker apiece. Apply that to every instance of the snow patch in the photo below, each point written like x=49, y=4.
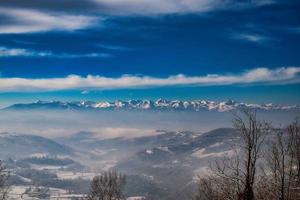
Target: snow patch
x=149, y=151
x=201, y=153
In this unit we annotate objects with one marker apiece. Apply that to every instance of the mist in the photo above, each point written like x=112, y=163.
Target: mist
x=120, y=123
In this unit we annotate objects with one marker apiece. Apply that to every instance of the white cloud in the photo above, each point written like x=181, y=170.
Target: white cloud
x=70, y=16
x=153, y=7
x=159, y=7
x=251, y=38
x=5, y=52
x=115, y=48
x=29, y=21
x=283, y=75
x=14, y=52
x=294, y=30
x=17, y=52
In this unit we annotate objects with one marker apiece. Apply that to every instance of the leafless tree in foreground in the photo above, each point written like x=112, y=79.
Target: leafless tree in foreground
x=294, y=138
x=4, y=187
x=107, y=186
x=253, y=133
x=283, y=162
x=235, y=178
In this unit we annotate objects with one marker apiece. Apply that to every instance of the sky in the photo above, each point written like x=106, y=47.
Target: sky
x=246, y=50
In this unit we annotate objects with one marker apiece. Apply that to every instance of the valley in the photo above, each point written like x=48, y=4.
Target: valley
x=155, y=166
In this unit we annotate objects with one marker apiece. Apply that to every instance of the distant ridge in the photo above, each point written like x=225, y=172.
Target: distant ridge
x=160, y=104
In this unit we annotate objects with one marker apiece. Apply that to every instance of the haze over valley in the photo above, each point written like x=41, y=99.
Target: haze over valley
x=61, y=146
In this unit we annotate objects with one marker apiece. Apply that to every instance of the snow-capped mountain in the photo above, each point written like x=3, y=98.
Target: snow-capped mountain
x=160, y=104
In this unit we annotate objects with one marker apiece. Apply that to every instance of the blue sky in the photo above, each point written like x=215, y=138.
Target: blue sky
x=210, y=49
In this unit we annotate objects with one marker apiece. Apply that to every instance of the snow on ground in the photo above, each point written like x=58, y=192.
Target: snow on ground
x=26, y=180
x=38, y=155
x=136, y=198
x=148, y=176
x=216, y=144
x=201, y=153
x=148, y=151
x=47, y=167
x=98, y=152
x=175, y=161
x=63, y=175
x=163, y=148
x=17, y=193
x=67, y=196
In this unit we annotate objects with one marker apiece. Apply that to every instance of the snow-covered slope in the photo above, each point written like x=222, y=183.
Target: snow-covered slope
x=160, y=104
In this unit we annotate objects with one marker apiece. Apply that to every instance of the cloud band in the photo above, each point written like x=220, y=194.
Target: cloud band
x=34, y=16
x=283, y=75
x=16, y=52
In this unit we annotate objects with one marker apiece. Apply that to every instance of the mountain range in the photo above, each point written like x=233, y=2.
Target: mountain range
x=160, y=104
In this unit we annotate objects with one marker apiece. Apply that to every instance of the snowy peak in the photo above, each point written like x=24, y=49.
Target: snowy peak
x=160, y=105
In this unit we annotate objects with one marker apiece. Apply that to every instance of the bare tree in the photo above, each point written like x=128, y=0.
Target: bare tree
x=283, y=161
x=225, y=180
x=208, y=189
x=108, y=186
x=294, y=138
x=280, y=166
x=253, y=133
x=235, y=178
x=4, y=187
x=294, y=142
